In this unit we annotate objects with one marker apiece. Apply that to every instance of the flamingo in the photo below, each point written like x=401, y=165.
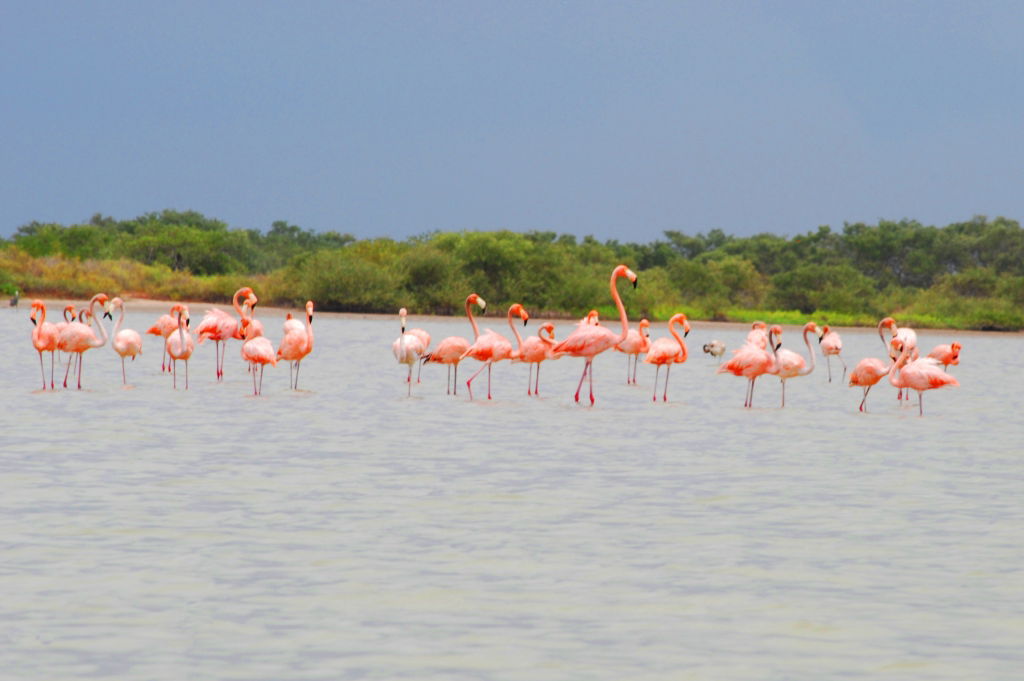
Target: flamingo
x=491, y=347
x=408, y=348
x=750, y=360
x=220, y=327
x=180, y=345
x=449, y=351
x=425, y=337
x=946, y=354
x=666, y=352
x=589, y=341
x=535, y=350
x=920, y=375
x=637, y=342
x=44, y=338
x=867, y=373
x=78, y=337
x=758, y=334
x=296, y=344
x=907, y=338
x=126, y=342
x=164, y=326
x=831, y=344
x=715, y=348
x=591, y=319
x=256, y=349
x=789, y=364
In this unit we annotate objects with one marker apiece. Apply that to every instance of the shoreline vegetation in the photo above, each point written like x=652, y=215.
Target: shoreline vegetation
x=967, y=275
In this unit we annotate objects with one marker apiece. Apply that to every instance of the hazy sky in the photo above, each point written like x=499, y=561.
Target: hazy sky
x=619, y=120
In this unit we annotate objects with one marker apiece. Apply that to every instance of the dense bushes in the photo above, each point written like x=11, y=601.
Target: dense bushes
x=967, y=274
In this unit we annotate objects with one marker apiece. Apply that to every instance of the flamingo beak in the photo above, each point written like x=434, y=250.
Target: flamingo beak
x=525, y=319
x=107, y=315
x=33, y=319
x=636, y=281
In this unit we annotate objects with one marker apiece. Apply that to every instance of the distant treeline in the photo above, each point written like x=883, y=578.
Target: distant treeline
x=963, y=275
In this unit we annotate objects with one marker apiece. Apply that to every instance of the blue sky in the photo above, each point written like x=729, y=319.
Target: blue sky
x=620, y=120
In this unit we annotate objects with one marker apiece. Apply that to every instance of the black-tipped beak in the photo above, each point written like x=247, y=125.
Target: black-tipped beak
x=33, y=320
x=524, y=321
x=686, y=333
x=310, y=319
x=635, y=281
x=107, y=315
x=778, y=345
x=403, y=328
x=819, y=340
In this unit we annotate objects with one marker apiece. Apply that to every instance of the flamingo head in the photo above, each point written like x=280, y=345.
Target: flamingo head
x=401, y=316
x=775, y=333
x=644, y=325
x=895, y=348
x=759, y=325
x=36, y=305
x=623, y=271
x=955, y=350
x=592, y=318
x=474, y=299
x=69, y=313
x=518, y=309
x=309, y=310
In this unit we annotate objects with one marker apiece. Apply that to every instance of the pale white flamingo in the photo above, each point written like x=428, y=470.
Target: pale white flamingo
x=180, y=345
x=126, y=342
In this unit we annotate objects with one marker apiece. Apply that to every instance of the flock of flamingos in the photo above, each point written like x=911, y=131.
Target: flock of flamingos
x=761, y=354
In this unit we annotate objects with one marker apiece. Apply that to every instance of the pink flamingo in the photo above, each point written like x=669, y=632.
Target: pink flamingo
x=180, y=345
x=44, y=338
x=126, y=342
x=666, y=352
x=164, y=326
x=946, y=354
x=750, y=360
x=867, y=373
x=78, y=337
x=758, y=334
x=256, y=349
x=589, y=341
x=296, y=344
x=491, y=347
x=638, y=341
x=907, y=338
x=535, y=350
x=920, y=375
x=831, y=344
x=220, y=327
x=592, y=319
x=790, y=364
x=69, y=316
x=407, y=348
x=450, y=350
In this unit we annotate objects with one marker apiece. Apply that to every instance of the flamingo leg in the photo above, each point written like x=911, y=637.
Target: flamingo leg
x=80, y=358
x=489, y=380
x=291, y=375
x=783, y=393
x=469, y=383
x=447, y=382
x=828, y=363
x=586, y=366
x=591, y=378
x=664, y=396
x=51, y=372
x=264, y=366
x=42, y=371
x=174, y=371
x=408, y=380
x=124, y=378
x=66, y=372
x=186, y=374
x=536, y=383
x=920, y=405
x=419, y=370
x=298, y=365
x=529, y=380
x=253, y=379
x=629, y=360
x=840, y=358
x=864, y=402
x=654, y=395
x=455, y=383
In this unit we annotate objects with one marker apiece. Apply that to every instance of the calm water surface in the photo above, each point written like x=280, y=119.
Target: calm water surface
x=348, y=532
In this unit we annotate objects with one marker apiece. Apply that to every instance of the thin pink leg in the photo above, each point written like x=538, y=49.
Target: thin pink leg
x=469, y=383
x=591, y=372
x=654, y=395
x=42, y=371
x=536, y=384
x=586, y=366
x=124, y=379
x=488, y=380
x=664, y=396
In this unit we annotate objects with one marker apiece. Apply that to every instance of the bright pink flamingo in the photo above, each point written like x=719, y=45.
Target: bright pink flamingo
x=758, y=334
x=248, y=311
x=592, y=319
x=789, y=364
x=666, y=352
x=589, y=341
x=867, y=373
x=907, y=338
x=637, y=342
x=180, y=345
x=77, y=337
x=450, y=350
x=831, y=344
x=535, y=350
x=164, y=326
x=407, y=348
x=69, y=316
x=296, y=344
x=946, y=354
x=44, y=338
x=920, y=375
x=491, y=347
x=219, y=326
x=126, y=342
x=750, y=360
x=256, y=349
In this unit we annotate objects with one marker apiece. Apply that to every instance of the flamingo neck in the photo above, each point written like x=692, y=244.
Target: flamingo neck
x=181, y=330
x=99, y=322
x=515, y=331
x=120, y=321
x=309, y=333
x=550, y=338
x=472, y=321
x=37, y=330
x=679, y=339
x=810, y=351
x=236, y=305
x=620, y=306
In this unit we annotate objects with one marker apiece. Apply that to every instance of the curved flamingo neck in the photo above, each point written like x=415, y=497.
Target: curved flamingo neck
x=550, y=338
x=37, y=330
x=309, y=332
x=618, y=304
x=679, y=339
x=235, y=304
x=515, y=331
x=472, y=321
x=99, y=322
x=810, y=351
x=120, y=321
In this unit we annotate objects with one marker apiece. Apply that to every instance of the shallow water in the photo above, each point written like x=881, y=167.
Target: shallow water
x=349, y=532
